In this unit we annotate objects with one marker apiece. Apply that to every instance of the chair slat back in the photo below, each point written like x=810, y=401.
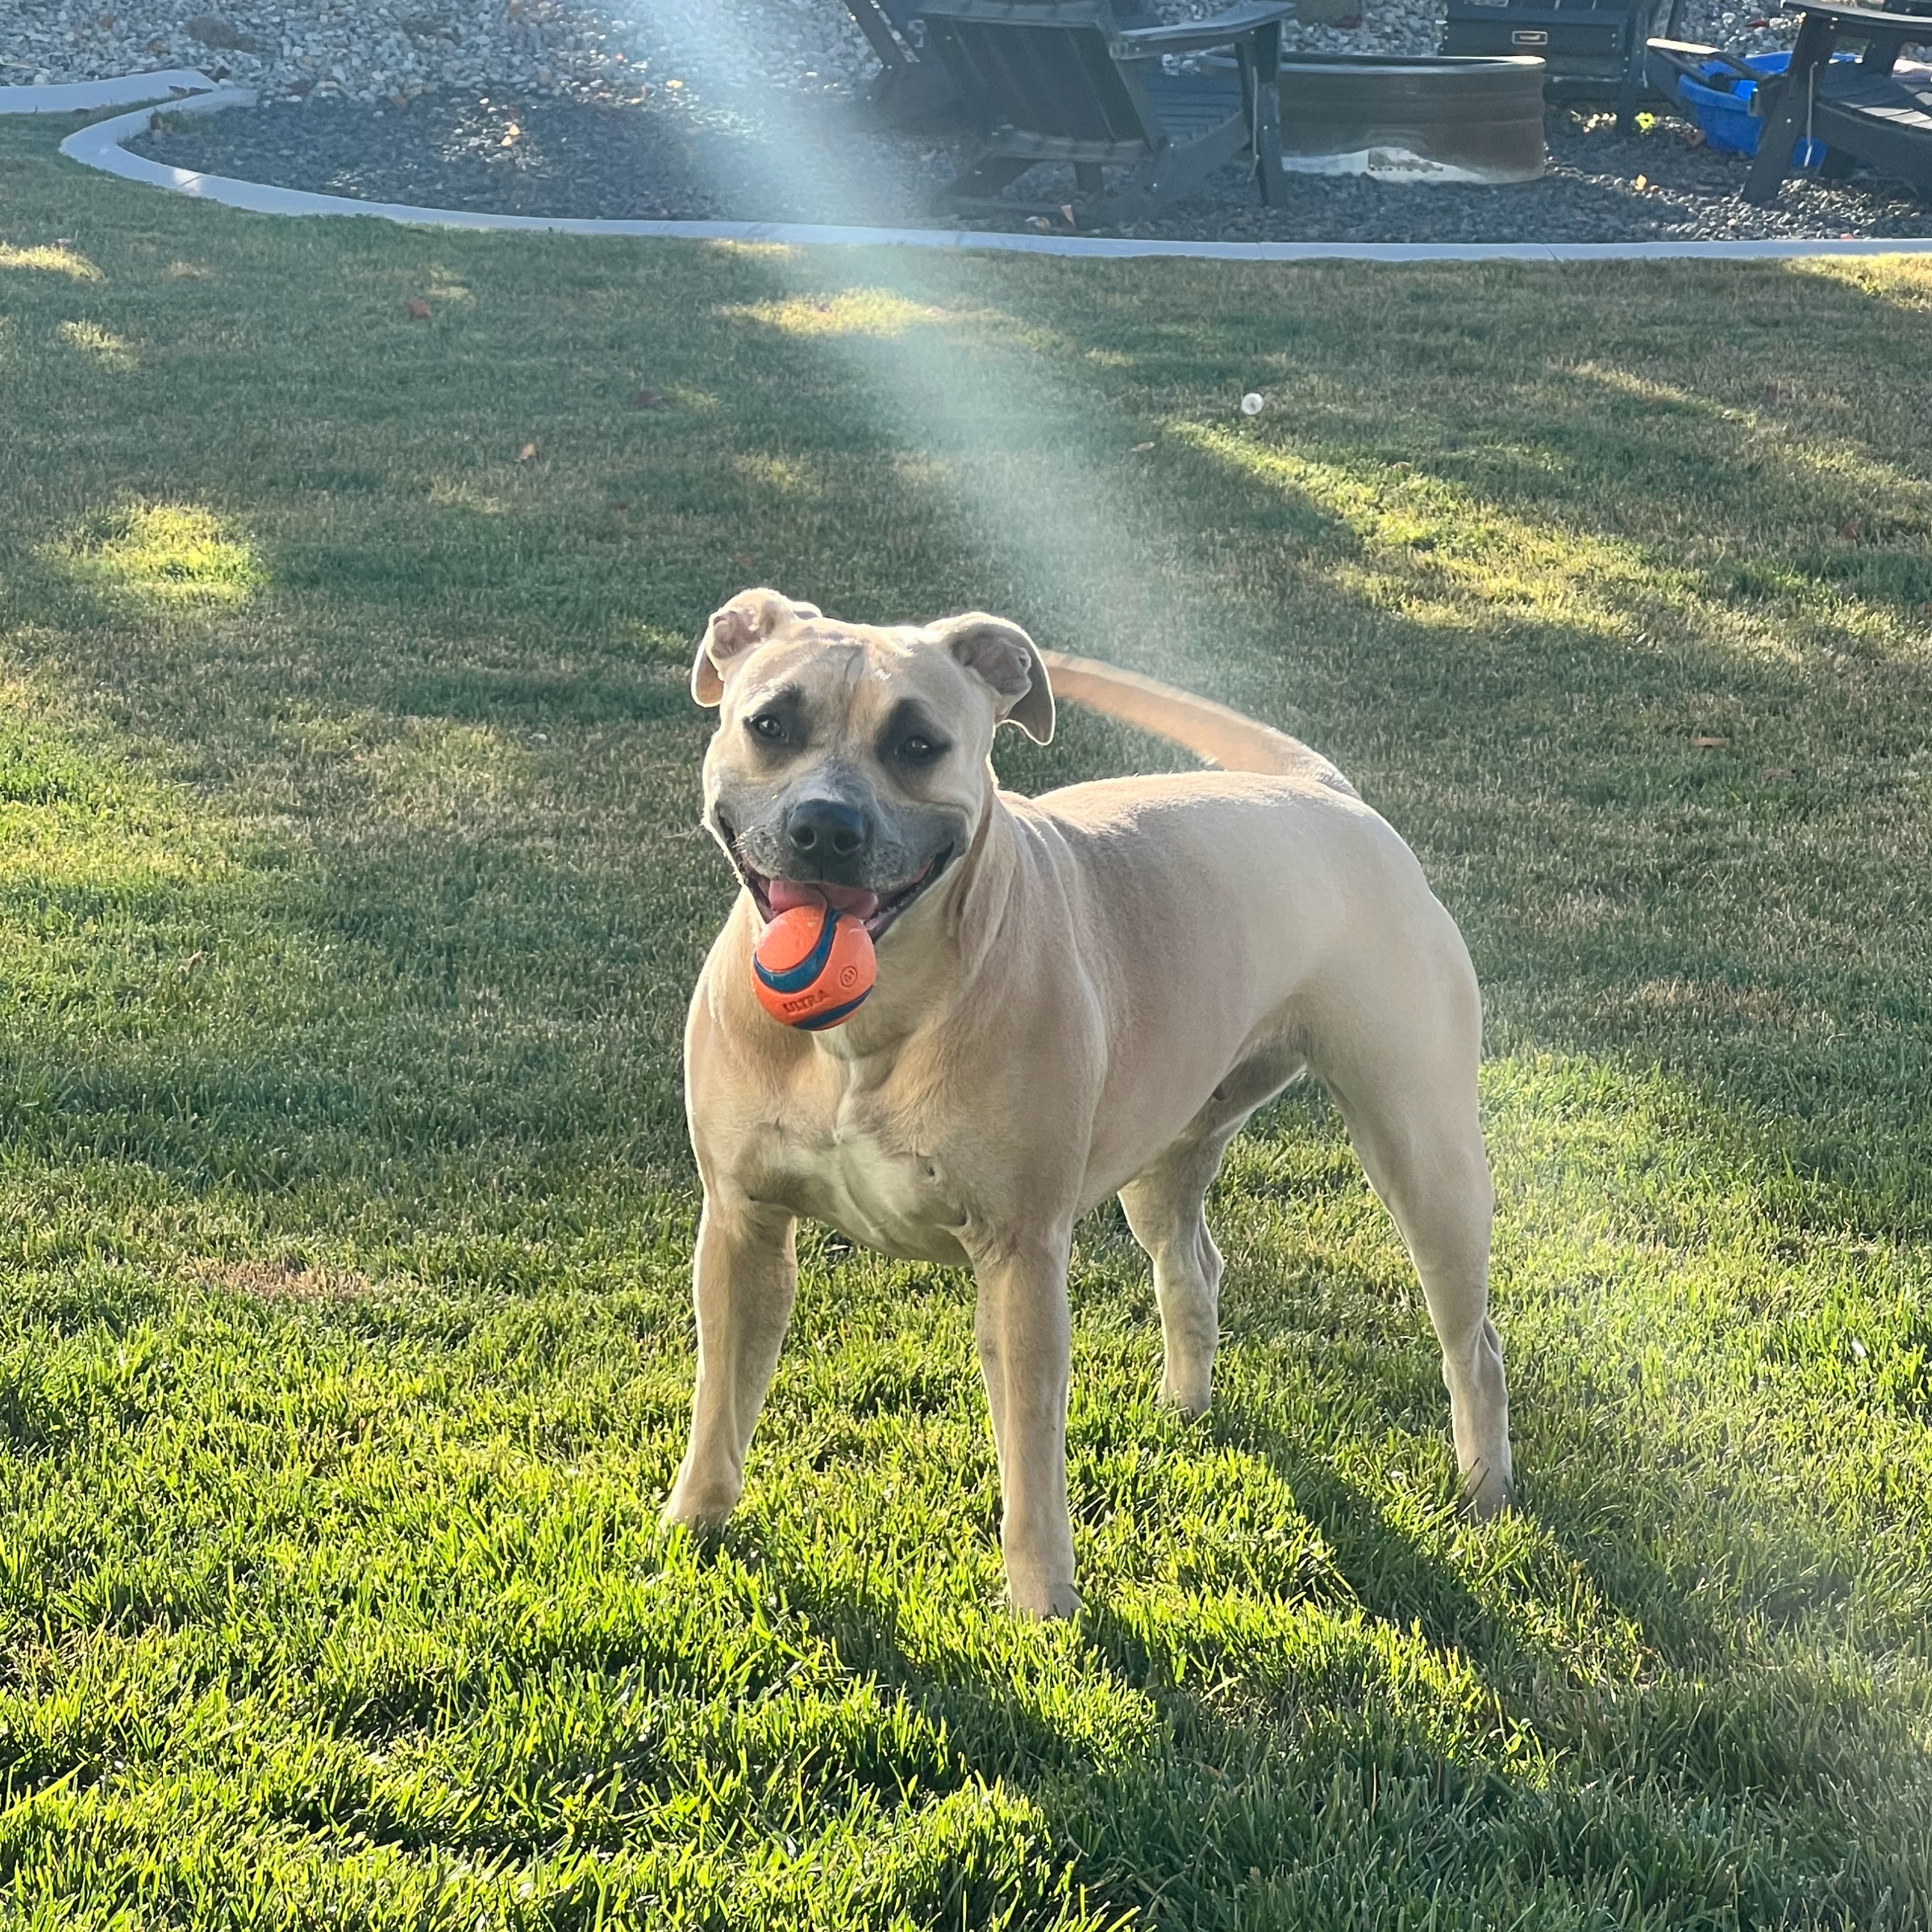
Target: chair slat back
x=1043, y=67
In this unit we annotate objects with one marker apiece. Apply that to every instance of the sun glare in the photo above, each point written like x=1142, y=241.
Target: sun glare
x=51, y=258
x=874, y=312
x=163, y=555
x=111, y=351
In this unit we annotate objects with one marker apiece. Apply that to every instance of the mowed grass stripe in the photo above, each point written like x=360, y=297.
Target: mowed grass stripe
x=352, y=892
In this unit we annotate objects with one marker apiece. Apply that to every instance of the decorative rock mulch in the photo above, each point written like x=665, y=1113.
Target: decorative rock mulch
x=749, y=110
x=661, y=156
x=668, y=155
x=368, y=50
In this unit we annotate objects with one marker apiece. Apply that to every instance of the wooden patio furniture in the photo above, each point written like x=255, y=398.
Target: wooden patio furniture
x=1864, y=110
x=1065, y=81
x=912, y=91
x=1593, y=49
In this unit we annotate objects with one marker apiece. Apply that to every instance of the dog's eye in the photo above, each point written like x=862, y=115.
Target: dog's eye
x=768, y=726
x=919, y=749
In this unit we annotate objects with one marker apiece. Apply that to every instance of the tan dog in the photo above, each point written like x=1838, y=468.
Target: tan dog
x=1078, y=995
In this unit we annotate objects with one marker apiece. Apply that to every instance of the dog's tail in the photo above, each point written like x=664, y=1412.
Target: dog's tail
x=1209, y=730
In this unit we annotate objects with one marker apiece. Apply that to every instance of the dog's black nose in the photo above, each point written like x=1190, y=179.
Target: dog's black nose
x=824, y=831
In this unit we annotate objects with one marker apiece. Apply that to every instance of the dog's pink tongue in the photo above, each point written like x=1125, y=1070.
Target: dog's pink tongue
x=786, y=894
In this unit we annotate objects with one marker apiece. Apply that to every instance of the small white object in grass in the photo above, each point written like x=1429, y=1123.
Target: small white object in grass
x=1858, y=1348
x=1252, y=403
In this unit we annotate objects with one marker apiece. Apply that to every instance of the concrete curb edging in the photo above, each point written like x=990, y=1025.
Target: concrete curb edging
x=89, y=97
x=100, y=146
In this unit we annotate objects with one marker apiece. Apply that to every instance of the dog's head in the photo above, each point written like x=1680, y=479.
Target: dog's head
x=851, y=763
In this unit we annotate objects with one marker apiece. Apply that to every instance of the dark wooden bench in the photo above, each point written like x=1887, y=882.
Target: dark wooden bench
x=1862, y=111
x=1064, y=80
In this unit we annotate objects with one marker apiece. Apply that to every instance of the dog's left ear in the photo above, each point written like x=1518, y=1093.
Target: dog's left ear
x=1006, y=658
x=749, y=618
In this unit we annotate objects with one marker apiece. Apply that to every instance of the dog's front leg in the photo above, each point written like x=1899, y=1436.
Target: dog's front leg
x=744, y=1279
x=1025, y=1340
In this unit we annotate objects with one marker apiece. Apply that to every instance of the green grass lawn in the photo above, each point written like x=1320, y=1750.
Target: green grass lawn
x=352, y=890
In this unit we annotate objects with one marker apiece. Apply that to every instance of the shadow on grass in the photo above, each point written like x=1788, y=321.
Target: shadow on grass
x=1287, y=1748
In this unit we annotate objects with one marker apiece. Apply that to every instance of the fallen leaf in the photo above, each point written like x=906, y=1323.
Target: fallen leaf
x=1066, y=213
x=529, y=450
x=622, y=503
x=1401, y=469
x=1141, y=448
x=1040, y=222
x=416, y=309
x=647, y=399
x=1777, y=774
x=743, y=562
x=1700, y=743
x=1849, y=531
x=510, y=134
x=1642, y=182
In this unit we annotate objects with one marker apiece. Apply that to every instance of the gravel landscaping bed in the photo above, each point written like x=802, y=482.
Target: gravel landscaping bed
x=368, y=49
x=668, y=154
x=753, y=110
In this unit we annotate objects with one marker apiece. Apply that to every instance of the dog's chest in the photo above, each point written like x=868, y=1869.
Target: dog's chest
x=856, y=1175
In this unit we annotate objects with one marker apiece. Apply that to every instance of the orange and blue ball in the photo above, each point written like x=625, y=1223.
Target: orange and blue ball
x=813, y=967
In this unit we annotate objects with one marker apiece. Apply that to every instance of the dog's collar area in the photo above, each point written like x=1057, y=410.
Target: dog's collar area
x=887, y=907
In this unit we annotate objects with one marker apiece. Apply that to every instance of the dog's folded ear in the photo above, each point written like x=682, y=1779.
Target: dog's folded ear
x=749, y=618
x=1003, y=656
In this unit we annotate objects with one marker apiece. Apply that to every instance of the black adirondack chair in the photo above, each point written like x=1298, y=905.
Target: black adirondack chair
x=1592, y=49
x=1864, y=110
x=911, y=91
x=1064, y=80
x=907, y=90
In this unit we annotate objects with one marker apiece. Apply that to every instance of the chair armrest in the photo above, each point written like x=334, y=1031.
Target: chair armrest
x=1197, y=37
x=1863, y=19
x=1690, y=59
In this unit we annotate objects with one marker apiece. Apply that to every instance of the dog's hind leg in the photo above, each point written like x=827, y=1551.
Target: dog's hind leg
x=1405, y=1082
x=1164, y=1206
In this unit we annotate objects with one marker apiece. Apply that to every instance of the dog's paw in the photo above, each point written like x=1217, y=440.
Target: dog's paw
x=703, y=1512
x=1487, y=1493
x=1192, y=1400
x=1038, y=1598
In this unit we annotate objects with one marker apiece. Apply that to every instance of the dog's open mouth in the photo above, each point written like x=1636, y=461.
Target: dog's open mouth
x=874, y=910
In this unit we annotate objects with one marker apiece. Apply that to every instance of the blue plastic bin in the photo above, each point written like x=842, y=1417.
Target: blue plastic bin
x=1722, y=108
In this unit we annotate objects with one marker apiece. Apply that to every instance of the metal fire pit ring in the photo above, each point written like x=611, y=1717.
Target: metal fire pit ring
x=1396, y=117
